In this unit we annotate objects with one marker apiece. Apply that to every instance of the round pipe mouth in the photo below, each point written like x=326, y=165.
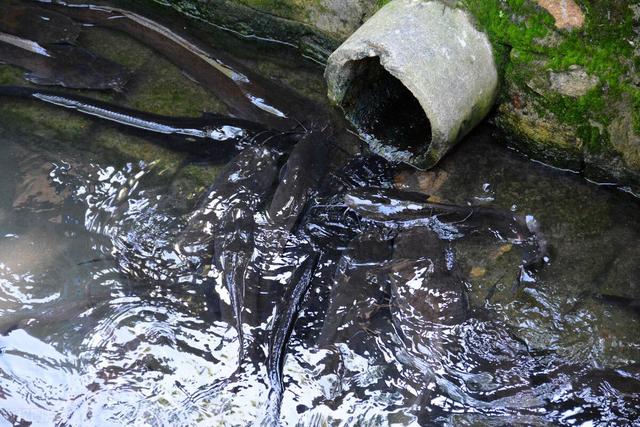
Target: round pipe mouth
x=414, y=79
x=385, y=111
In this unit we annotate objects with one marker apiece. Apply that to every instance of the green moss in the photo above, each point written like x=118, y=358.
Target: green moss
x=42, y=120
x=165, y=90
x=515, y=23
x=591, y=138
x=602, y=48
x=10, y=75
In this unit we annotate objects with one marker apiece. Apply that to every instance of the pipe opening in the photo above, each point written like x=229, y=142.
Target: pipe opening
x=382, y=108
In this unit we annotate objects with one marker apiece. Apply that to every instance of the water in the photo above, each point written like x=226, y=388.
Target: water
x=145, y=285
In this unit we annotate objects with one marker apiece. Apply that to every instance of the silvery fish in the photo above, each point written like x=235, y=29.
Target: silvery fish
x=405, y=210
x=196, y=132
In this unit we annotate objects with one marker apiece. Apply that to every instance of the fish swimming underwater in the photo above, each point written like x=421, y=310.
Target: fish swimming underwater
x=205, y=129
x=423, y=283
x=224, y=226
x=310, y=259
x=33, y=23
x=227, y=222
x=246, y=94
x=405, y=210
x=62, y=65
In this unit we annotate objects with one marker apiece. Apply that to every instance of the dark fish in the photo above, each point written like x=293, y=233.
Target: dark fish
x=310, y=252
x=246, y=94
x=62, y=65
x=424, y=288
x=430, y=311
x=224, y=224
x=209, y=127
x=357, y=288
x=428, y=298
x=624, y=302
x=330, y=223
x=282, y=329
x=40, y=25
x=234, y=243
x=300, y=178
x=405, y=210
x=394, y=205
x=281, y=237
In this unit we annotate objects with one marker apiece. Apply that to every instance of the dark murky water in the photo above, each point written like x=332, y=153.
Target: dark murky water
x=149, y=286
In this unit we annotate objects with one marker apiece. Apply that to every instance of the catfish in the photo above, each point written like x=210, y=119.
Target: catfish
x=62, y=65
x=299, y=180
x=424, y=288
x=224, y=225
x=314, y=260
x=404, y=210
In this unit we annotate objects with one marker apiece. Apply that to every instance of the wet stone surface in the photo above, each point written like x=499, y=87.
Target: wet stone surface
x=299, y=278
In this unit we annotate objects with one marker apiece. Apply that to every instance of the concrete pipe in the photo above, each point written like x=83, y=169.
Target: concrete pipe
x=414, y=79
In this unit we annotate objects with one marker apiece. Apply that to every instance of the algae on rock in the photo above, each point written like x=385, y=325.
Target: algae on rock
x=565, y=87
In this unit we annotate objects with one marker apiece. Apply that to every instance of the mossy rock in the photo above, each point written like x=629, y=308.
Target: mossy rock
x=165, y=90
x=569, y=94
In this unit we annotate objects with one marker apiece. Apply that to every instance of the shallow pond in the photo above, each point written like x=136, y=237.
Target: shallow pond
x=315, y=284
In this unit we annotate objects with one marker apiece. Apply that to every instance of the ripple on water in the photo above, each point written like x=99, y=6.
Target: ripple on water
x=116, y=305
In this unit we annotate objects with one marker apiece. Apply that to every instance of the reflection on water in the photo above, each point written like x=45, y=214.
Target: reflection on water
x=117, y=303
x=309, y=283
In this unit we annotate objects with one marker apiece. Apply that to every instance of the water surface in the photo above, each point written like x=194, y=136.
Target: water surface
x=119, y=257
